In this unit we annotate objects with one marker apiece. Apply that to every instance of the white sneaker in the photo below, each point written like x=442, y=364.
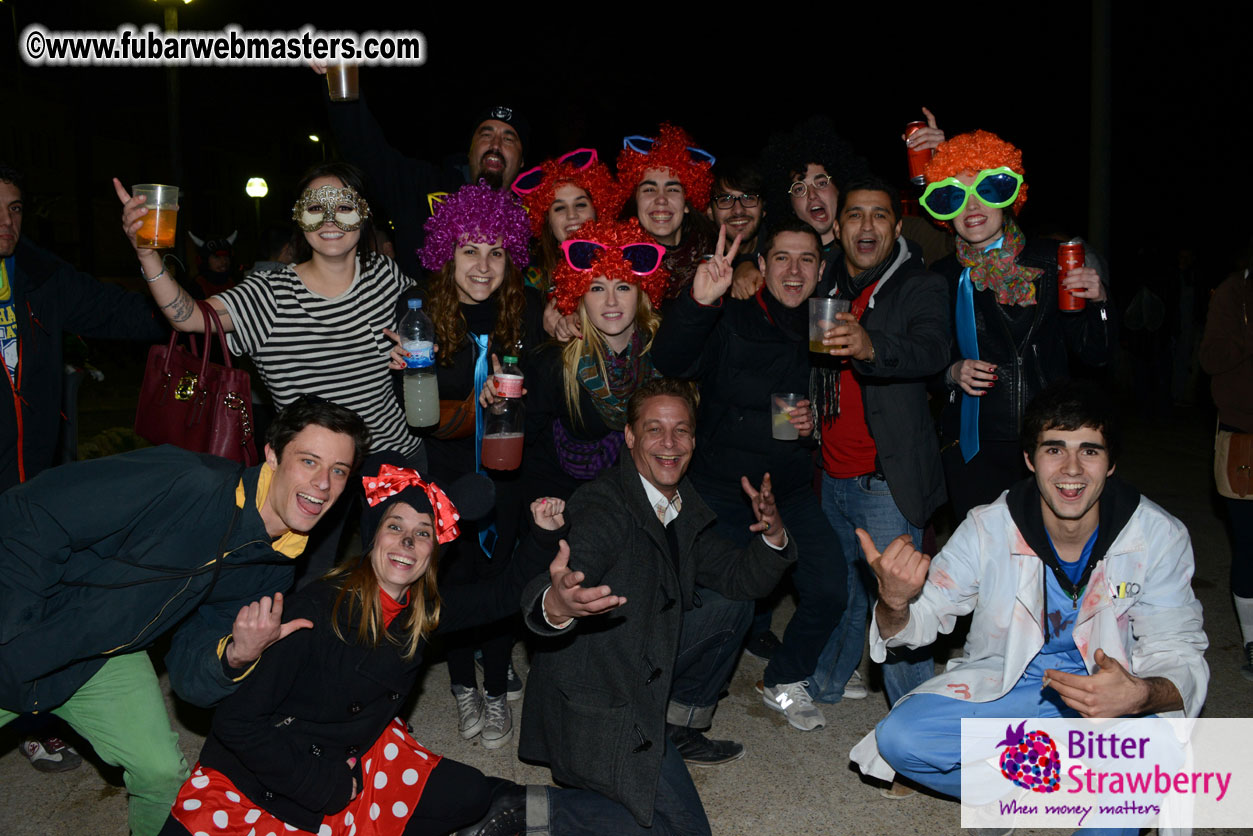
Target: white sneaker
x=855, y=688
x=498, y=722
x=470, y=710
x=793, y=702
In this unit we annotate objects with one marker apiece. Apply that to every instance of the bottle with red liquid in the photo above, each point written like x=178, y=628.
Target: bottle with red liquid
x=1070, y=256
x=504, y=425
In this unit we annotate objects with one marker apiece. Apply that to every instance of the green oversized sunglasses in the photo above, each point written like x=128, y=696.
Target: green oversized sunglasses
x=995, y=187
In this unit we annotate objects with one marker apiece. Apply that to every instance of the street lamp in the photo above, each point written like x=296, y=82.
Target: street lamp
x=173, y=128
x=256, y=188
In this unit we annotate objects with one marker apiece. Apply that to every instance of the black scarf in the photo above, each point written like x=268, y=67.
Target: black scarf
x=824, y=378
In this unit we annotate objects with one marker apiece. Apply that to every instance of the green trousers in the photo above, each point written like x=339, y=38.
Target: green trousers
x=121, y=713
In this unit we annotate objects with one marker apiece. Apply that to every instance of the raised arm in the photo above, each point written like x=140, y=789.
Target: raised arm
x=175, y=302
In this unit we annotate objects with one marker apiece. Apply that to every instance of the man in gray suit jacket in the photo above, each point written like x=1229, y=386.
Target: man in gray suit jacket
x=616, y=703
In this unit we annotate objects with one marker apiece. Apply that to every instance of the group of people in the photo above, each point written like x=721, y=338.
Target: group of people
x=656, y=311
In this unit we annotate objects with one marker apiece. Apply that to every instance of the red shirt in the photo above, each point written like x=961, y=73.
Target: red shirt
x=847, y=448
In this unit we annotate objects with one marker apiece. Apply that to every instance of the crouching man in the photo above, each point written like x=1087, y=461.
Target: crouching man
x=612, y=705
x=1080, y=589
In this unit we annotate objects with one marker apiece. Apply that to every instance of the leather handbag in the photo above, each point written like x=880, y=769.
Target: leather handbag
x=1233, y=464
x=193, y=403
x=456, y=419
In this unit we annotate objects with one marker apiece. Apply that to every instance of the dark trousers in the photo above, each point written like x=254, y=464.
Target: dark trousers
x=709, y=645
x=677, y=808
x=997, y=466
x=821, y=578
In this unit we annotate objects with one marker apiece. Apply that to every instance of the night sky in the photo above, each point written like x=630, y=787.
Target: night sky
x=1179, y=84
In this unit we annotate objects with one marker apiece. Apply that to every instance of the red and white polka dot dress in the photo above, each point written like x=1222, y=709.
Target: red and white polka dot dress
x=395, y=770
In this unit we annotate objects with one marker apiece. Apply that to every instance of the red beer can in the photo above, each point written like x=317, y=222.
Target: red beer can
x=1069, y=257
x=918, y=159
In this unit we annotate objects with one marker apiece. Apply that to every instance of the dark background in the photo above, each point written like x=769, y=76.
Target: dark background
x=1156, y=159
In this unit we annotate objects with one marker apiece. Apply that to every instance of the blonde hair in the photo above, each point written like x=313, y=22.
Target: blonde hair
x=358, y=596
x=593, y=345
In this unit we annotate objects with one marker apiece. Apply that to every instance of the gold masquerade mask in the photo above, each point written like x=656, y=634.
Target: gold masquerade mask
x=343, y=207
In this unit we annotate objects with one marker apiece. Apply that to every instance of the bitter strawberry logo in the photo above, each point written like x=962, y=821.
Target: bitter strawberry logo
x=1030, y=759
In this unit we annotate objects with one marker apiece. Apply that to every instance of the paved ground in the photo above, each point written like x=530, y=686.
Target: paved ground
x=789, y=783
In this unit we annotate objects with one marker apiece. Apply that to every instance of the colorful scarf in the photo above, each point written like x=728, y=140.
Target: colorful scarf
x=625, y=371
x=998, y=269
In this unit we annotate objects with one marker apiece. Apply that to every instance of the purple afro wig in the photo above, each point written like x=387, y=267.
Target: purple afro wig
x=476, y=213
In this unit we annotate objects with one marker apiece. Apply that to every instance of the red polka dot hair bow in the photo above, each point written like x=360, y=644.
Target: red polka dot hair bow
x=392, y=480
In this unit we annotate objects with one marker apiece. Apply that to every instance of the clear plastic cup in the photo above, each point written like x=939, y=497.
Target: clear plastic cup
x=341, y=82
x=822, y=311
x=781, y=406
x=161, y=222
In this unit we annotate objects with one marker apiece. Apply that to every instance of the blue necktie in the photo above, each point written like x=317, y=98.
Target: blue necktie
x=487, y=533
x=968, y=342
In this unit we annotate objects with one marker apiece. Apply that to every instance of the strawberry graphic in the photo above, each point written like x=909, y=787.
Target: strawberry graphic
x=1030, y=759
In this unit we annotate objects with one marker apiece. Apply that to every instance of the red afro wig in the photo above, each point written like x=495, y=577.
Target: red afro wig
x=570, y=284
x=973, y=152
x=668, y=151
x=596, y=180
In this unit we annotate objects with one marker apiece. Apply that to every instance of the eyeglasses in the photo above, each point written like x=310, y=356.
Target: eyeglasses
x=801, y=189
x=996, y=188
x=531, y=179
x=644, y=144
x=644, y=258
x=726, y=201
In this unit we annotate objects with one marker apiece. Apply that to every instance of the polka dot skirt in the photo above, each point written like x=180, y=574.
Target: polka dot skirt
x=395, y=770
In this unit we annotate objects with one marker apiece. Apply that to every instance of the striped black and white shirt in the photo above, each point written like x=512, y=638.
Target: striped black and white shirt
x=304, y=343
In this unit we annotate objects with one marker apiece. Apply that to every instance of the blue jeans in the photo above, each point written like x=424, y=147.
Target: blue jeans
x=864, y=502
x=677, y=808
x=921, y=737
x=821, y=572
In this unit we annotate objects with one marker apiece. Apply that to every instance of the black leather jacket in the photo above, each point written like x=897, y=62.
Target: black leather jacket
x=1037, y=358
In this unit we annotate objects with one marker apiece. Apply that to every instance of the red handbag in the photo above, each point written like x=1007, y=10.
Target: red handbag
x=190, y=402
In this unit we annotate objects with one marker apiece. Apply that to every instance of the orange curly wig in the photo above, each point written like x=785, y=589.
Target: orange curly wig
x=596, y=180
x=570, y=284
x=668, y=151
x=973, y=152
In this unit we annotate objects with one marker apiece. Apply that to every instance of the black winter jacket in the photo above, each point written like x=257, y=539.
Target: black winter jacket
x=739, y=357
x=51, y=297
x=314, y=700
x=103, y=557
x=1028, y=364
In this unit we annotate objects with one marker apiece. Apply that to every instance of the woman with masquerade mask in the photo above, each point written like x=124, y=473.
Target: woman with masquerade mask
x=315, y=327
x=609, y=280
x=307, y=741
x=475, y=244
x=560, y=196
x=1011, y=339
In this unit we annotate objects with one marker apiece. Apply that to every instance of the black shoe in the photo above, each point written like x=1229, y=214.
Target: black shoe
x=505, y=817
x=763, y=645
x=1246, y=671
x=698, y=750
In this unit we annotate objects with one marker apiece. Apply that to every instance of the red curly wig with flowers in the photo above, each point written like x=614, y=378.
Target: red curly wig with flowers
x=571, y=284
x=669, y=151
x=595, y=180
x=973, y=152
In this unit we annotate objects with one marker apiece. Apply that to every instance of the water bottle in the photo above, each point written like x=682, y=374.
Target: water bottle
x=417, y=336
x=505, y=423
